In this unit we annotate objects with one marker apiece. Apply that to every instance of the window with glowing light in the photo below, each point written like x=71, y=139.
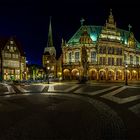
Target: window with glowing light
x=119, y=61
x=102, y=61
x=93, y=56
x=131, y=59
x=70, y=57
x=77, y=56
x=11, y=42
x=137, y=60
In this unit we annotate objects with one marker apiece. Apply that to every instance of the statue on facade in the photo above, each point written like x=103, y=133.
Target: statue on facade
x=84, y=62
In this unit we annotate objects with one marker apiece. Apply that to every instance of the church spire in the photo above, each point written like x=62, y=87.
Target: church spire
x=50, y=39
x=50, y=48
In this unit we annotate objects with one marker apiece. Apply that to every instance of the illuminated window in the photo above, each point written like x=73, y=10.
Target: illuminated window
x=12, y=71
x=15, y=48
x=110, y=50
x=102, y=50
x=8, y=47
x=102, y=61
x=125, y=58
x=109, y=61
x=5, y=70
x=10, y=63
x=137, y=60
x=70, y=57
x=112, y=61
x=11, y=42
x=93, y=56
x=7, y=55
x=52, y=68
x=16, y=55
x=119, y=61
x=13, y=55
x=119, y=51
x=17, y=71
x=77, y=56
x=131, y=59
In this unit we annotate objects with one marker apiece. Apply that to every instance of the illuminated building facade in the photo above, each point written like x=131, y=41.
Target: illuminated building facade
x=12, y=60
x=107, y=51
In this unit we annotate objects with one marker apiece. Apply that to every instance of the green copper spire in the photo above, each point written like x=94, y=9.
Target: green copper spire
x=50, y=40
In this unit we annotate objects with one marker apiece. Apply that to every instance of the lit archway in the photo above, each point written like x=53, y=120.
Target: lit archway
x=75, y=74
x=110, y=74
x=102, y=74
x=134, y=75
x=119, y=75
x=66, y=74
x=128, y=75
x=93, y=74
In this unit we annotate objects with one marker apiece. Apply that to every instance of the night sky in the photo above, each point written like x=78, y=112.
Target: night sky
x=29, y=20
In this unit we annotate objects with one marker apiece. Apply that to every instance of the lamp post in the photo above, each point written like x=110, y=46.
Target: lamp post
x=138, y=71
x=25, y=75
x=126, y=80
x=48, y=68
x=6, y=75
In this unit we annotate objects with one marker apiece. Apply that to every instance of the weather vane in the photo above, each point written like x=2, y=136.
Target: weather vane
x=129, y=26
x=82, y=21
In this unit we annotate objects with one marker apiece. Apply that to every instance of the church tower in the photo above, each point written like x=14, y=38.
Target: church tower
x=49, y=55
x=50, y=48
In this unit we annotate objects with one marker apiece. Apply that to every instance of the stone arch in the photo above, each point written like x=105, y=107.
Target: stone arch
x=110, y=74
x=119, y=75
x=128, y=75
x=134, y=75
x=102, y=74
x=93, y=74
x=75, y=74
x=66, y=73
x=138, y=74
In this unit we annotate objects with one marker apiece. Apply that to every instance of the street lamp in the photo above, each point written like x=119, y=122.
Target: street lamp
x=126, y=81
x=6, y=75
x=48, y=68
x=25, y=75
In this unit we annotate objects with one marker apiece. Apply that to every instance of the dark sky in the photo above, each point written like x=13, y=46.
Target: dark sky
x=29, y=20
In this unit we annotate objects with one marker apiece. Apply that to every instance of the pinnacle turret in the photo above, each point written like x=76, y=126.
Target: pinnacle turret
x=111, y=18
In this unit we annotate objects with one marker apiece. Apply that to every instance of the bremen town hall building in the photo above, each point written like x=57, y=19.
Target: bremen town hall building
x=101, y=53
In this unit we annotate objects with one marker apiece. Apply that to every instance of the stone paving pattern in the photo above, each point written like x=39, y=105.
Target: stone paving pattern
x=128, y=93
x=103, y=111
